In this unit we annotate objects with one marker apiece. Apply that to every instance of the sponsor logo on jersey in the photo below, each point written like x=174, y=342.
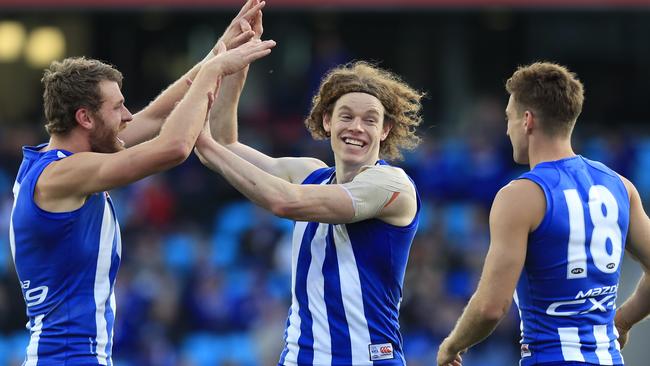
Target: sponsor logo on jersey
x=383, y=351
x=525, y=351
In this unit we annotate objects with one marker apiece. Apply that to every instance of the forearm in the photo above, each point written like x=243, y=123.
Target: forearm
x=261, y=188
x=472, y=327
x=186, y=121
x=636, y=307
x=223, y=119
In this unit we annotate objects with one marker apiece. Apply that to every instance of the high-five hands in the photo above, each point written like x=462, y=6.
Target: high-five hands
x=249, y=19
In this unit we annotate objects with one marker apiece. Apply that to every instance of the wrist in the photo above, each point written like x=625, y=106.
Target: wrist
x=450, y=345
x=209, y=56
x=620, y=320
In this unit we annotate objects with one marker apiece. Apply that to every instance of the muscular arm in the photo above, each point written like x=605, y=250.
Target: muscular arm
x=146, y=124
x=67, y=182
x=637, y=306
x=329, y=203
x=517, y=209
x=223, y=119
x=223, y=124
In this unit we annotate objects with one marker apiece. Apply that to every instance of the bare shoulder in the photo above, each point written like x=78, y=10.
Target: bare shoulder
x=298, y=169
x=522, y=202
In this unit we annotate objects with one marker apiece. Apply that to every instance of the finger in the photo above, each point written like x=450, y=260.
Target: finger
x=210, y=100
x=259, y=52
x=252, y=12
x=241, y=39
x=245, y=8
x=257, y=55
x=244, y=25
x=256, y=23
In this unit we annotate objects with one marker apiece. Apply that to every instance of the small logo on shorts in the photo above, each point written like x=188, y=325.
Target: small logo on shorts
x=382, y=351
x=525, y=351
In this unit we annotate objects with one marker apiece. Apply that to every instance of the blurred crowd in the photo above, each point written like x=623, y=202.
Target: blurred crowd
x=205, y=276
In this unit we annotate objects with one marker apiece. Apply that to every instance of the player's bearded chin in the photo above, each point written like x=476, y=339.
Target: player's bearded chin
x=103, y=139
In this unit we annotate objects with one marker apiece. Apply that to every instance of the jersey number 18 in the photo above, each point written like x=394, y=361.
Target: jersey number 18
x=605, y=223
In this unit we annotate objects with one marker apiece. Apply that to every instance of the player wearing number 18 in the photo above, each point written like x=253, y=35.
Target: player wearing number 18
x=557, y=234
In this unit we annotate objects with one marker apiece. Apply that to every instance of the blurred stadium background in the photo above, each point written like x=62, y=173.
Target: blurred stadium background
x=205, y=277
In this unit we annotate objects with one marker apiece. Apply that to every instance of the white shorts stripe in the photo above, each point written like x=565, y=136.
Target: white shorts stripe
x=32, y=348
x=352, y=297
x=316, y=296
x=102, y=281
x=616, y=344
x=293, y=330
x=12, y=237
x=602, y=345
x=570, y=341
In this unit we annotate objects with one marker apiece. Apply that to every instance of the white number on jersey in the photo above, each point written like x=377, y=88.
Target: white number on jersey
x=605, y=227
x=36, y=295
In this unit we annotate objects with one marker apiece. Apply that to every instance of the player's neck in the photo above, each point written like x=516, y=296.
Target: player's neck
x=549, y=150
x=74, y=142
x=346, y=172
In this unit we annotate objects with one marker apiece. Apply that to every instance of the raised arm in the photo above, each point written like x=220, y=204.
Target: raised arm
x=223, y=119
x=330, y=203
x=517, y=210
x=68, y=181
x=637, y=306
x=146, y=124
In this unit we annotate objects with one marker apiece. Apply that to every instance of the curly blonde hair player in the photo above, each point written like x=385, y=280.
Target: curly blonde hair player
x=401, y=103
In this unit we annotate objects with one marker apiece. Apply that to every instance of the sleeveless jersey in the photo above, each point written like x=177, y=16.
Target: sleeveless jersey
x=66, y=263
x=567, y=290
x=346, y=290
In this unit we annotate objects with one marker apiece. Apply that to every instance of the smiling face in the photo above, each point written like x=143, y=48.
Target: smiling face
x=356, y=128
x=109, y=120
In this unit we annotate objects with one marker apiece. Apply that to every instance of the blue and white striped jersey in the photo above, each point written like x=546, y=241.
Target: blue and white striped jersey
x=567, y=291
x=346, y=291
x=66, y=263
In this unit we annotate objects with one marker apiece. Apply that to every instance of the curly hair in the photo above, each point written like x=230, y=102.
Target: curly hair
x=401, y=104
x=551, y=91
x=72, y=84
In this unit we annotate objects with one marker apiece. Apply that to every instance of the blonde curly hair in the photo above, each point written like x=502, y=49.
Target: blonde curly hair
x=401, y=104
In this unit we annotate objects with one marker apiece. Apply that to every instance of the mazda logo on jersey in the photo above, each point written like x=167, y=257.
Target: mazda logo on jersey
x=577, y=270
x=611, y=265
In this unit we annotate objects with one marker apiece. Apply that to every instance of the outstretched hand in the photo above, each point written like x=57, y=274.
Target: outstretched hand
x=231, y=61
x=249, y=19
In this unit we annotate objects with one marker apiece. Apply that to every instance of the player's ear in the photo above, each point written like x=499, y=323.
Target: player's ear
x=327, y=123
x=529, y=122
x=388, y=125
x=83, y=118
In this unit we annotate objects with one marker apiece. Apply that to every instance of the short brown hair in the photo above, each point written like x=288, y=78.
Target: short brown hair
x=550, y=91
x=72, y=84
x=401, y=104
